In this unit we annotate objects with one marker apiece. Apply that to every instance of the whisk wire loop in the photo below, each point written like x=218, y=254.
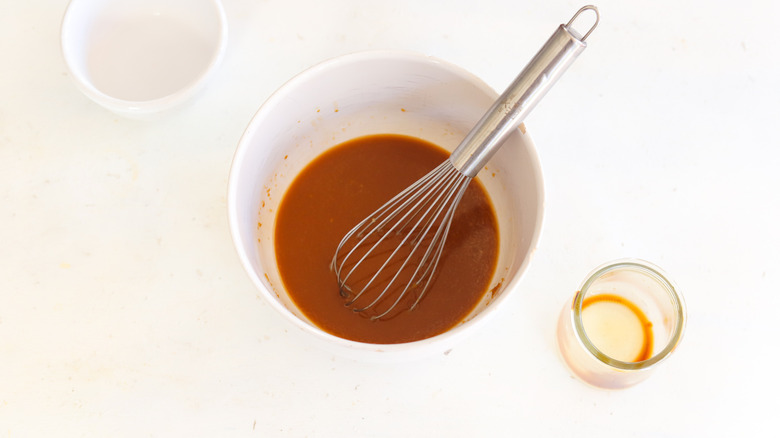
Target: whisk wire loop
x=392, y=206
x=419, y=216
x=383, y=215
x=441, y=235
x=437, y=210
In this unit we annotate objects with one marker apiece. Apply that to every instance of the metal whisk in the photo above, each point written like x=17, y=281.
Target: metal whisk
x=396, y=249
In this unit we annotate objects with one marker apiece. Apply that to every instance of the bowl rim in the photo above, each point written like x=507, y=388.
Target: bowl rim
x=141, y=107
x=444, y=340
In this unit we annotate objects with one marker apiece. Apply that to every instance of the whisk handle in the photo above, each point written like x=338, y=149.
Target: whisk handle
x=522, y=95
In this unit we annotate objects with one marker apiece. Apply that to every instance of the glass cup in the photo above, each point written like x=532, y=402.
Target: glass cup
x=626, y=318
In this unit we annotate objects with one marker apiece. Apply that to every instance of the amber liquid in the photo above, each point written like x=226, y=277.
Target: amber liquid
x=344, y=185
x=617, y=327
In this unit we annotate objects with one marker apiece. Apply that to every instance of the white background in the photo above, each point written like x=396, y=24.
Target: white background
x=124, y=310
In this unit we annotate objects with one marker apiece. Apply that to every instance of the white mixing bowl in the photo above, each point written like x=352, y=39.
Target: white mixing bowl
x=372, y=93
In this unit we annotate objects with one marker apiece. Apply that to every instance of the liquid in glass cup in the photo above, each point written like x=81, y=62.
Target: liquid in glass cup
x=626, y=318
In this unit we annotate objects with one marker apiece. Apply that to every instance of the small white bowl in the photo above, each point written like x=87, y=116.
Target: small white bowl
x=140, y=57
x=371, y=93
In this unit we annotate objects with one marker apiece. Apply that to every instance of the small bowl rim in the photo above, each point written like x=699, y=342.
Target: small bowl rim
x=150, y=106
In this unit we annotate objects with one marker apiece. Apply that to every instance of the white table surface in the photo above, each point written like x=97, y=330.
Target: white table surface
x=124, y=310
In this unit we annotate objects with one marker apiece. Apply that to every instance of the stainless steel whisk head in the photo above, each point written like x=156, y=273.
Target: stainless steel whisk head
x=413, y=226
x=395, y=251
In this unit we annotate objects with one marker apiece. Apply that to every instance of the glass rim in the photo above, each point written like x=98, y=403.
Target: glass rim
x=645, y=268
